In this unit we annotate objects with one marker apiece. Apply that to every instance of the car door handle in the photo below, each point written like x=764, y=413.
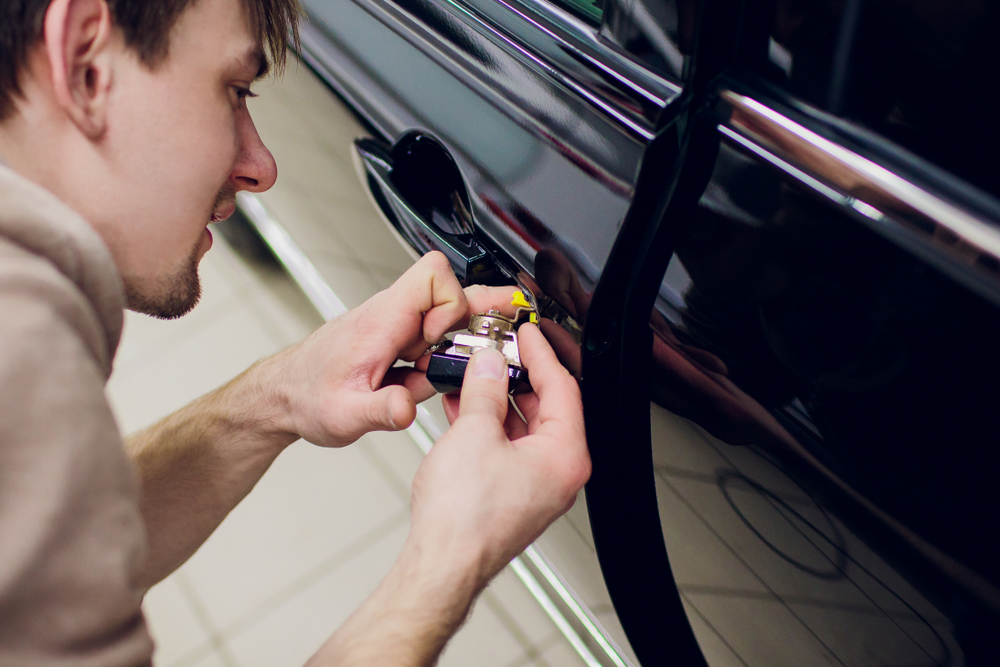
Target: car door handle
x=419, y=191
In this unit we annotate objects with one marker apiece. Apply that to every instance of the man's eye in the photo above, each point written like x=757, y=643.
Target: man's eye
x=244, y=93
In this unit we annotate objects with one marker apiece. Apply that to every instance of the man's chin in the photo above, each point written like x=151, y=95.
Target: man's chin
x=169, y=297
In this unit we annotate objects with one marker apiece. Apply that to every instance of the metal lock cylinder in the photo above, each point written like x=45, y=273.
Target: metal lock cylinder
x=447, y=365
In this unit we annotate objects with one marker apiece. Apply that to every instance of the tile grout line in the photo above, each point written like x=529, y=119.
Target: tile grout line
x=753, y=572
x=172, y=343
x=503, y=614
x=536, y=652
x=399, y=486
x=318, y=572
x=718, y=634
x=195, y=602
x=805, y=601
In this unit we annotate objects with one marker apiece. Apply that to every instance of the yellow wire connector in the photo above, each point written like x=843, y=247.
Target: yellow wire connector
x=522, y=304
x=519, y=300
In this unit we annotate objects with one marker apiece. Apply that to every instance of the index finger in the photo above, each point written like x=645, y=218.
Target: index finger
x=427, y=298
x=482, y=299
x=559, y=404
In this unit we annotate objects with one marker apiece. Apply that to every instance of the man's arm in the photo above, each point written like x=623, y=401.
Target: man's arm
x=332, y=388
x=488, y=488
x=410, y=617
x=198, y=463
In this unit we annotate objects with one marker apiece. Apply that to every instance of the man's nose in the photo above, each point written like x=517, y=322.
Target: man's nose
x=255, y=169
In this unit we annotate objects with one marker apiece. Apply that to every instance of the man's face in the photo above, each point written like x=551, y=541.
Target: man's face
x=180, y=144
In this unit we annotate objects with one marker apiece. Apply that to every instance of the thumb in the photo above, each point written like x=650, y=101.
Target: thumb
x=484, y=389
x=391, y=408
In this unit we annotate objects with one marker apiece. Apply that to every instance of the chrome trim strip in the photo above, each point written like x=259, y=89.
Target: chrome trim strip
x=546, y=602
x=579, y=609
x=640, y=79
x=869, y=188
x=424, y=431
x=554, y=63
x=303, y=271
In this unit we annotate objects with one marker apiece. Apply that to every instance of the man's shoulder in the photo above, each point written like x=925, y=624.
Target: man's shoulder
x=52, y=261
x=40, y=306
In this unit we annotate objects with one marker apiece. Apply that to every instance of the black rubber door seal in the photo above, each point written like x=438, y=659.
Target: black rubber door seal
x=617, y=354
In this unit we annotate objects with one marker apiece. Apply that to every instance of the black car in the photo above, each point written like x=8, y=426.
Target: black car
x=772, y=223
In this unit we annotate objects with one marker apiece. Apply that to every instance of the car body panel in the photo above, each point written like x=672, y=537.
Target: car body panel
x=818, y=345
x=544, y=162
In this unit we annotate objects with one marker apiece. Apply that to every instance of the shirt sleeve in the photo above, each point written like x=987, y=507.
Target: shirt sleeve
x=71, y=535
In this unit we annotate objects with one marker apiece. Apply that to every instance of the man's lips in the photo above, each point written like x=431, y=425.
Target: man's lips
x=224, y=212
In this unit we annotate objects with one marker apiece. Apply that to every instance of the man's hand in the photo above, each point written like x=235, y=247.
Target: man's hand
x=339, y=383
x=488, y=488
x=493, y=483
x=330, y=389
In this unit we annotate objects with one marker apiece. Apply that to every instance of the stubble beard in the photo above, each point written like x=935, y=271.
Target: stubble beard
x=171, y=296
x=176, y=295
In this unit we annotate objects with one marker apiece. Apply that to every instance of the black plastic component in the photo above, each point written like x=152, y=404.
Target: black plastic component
x=446, y=372
x=428, y=178
x=424, y=198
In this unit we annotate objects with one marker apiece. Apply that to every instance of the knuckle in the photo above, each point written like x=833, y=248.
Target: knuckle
x=577, y=473
x=567, y=382
x=479, y=424
x=437, y=261
x=378, y=412
x=487, y=396
x=473, y=292
x=583, y=470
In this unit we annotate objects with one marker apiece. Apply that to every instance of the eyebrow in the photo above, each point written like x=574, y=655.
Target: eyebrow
x=263, y=64
x=253, y=56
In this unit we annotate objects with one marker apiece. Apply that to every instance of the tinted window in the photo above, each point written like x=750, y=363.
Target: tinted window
x=656, y=32
x=589, y=9
x=919, y=73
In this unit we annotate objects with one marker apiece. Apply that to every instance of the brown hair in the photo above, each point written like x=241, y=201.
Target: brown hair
x=145, y=25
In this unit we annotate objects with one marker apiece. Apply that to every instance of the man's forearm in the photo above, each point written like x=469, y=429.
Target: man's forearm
x=412, y=614
x=198, y=463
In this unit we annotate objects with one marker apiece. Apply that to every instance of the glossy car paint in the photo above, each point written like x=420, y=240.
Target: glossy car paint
x=543, y=163
x=833, y=348
x=803, y=313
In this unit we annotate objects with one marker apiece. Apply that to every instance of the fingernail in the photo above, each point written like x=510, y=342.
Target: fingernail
x=488, y=364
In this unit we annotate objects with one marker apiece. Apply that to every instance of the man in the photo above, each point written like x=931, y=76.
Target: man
x=123, y=133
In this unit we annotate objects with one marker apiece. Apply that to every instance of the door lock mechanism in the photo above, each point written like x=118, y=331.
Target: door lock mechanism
x=449, y=359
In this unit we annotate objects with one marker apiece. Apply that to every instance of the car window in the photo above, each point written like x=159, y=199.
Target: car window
x=656, y=32
x=917, y=73
x=591, y=10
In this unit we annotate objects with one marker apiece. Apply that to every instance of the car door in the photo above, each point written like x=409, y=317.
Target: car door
x=538, y=117
x=747, y=235
x=545, y=122
x=818, y=303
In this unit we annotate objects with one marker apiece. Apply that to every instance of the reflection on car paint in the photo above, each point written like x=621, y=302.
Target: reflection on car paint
x=788, y=301
x=772, y=573
x=537, y=148
x=837, y=503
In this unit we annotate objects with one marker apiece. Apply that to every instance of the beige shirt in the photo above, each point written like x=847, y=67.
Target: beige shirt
x=71, y=535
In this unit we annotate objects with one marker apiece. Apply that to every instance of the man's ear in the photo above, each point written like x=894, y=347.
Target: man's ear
x=77, y=36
